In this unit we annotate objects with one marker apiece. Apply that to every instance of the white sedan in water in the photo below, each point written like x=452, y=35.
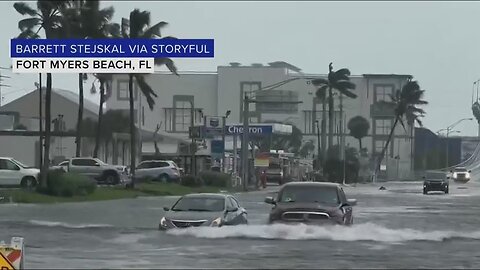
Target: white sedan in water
x=14, y=173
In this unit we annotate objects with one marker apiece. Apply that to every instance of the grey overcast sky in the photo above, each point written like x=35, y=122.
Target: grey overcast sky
x=436, y=42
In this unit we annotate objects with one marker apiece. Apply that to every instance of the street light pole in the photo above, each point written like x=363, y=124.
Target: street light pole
x=245, y=159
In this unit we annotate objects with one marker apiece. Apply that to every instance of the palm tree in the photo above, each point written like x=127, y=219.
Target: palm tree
x=337, y=80
x=105, y=86
x=85, y=19
x=322, y=95
x=405, y=102
x=46, y=16
x=138, y=26
x=358, y=127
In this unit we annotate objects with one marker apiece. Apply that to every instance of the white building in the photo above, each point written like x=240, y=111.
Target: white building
x=213, y=93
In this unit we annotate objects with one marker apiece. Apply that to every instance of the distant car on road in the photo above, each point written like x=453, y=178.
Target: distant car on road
x=460, y=174
x=311, y=203
x=208, y=209
x=160, y=170
x=436, y=184
x=14, y=173
x=96, y=169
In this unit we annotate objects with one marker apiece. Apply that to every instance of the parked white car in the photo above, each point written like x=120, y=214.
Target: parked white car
x=160, y=170
x=14, y=173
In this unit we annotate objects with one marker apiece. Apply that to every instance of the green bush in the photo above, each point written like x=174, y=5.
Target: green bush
x=191, y=181
x=215, y=179
x=64, y=184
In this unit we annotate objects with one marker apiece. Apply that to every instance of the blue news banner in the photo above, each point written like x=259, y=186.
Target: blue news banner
x=102, y=55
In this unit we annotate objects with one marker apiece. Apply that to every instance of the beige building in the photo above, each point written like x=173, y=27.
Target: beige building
x=213, y=93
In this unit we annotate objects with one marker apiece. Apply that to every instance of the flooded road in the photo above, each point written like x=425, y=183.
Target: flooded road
x=394, y=228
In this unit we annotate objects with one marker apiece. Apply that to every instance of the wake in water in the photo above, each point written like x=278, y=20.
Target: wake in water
x=67, y=225
x=359, y=232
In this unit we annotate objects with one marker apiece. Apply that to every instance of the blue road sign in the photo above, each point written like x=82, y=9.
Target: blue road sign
x=258, y=130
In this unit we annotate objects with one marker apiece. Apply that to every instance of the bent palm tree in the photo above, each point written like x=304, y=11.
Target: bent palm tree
x=85, y=19
x=337, y=80
x=46, y=16
x=138, y=26
x=405, y=102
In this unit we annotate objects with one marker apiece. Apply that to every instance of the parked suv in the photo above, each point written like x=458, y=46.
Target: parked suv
x=14, y=173
x=96, y=169
x=160, y=170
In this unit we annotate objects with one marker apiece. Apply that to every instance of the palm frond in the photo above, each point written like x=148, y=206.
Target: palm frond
x=29, y=23
x=319, y=82
x=28, y=34
x=322, y=92
x=146, y=90
x=347, y=93
x=24, y=8
x=167, y=62
x=139, y=20
x=154, y=30
x=344, y=85
x=125, y=28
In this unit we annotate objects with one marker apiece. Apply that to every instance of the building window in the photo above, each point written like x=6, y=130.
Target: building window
x=379, y=144
x=383, y=126
x=182, y=116
x=178, y=119
x=122, y=90
x=383, y=92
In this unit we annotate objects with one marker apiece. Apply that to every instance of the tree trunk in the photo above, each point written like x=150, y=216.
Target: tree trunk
x=48, y=120
x=384, y=149
x=330, y=117
x=360, y=144
x=100, y=118
x=324, y=131
x=78, y=139
x=40, y=117
x=133, y=151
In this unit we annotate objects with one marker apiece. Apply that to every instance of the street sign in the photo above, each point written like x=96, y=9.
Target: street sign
x=252, y=130
x=196, y=133
x=5, y=263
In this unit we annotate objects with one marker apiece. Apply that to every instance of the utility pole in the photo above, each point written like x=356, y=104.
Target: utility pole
x=318, y=145
x=342, y=143
x=245, y=159
x=192, y=146
x=40, y=118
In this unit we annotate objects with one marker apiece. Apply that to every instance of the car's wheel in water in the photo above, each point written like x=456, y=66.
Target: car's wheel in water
x=28, y=182
x=425, y=191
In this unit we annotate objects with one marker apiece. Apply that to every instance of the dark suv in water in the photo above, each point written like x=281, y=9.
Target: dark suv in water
x=311, y=203
x=435, y=184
